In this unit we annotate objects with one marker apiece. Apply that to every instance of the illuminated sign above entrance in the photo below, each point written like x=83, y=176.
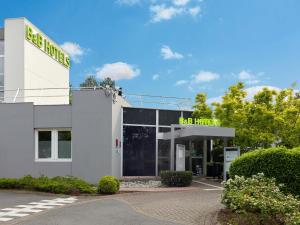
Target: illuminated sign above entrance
x=195, y=121
x=47, y=46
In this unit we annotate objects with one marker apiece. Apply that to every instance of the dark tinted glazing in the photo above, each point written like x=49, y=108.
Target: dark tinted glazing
x=168, y=117
x=139, y=151
x=139, y=116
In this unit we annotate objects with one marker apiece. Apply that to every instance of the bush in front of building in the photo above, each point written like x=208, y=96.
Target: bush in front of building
x=260, y=197
x=108, y=185
x=58, y=185
x=279, y=163
x=176, y=178
x=8, y=183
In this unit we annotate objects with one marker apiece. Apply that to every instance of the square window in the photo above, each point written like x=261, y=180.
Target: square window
x=64, y=144
x=53, y=145
x=44, y=144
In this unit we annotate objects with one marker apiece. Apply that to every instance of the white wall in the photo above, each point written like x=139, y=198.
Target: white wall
x=28, y=67
x=117, y=134
x=13, y=59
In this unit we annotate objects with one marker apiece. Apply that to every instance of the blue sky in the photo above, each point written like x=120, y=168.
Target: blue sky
x=173, y=47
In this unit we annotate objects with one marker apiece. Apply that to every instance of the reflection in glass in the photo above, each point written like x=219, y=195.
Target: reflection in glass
x=139, y=116
x=44, y=143
x=139, y=151
x=168, y=117
x=164, y=155
x=64, y=144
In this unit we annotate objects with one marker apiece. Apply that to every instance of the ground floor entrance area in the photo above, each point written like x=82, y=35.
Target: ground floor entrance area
x=147, y=150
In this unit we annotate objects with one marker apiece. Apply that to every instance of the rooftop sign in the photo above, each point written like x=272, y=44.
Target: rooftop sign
x=47, y=46
x=203, y=122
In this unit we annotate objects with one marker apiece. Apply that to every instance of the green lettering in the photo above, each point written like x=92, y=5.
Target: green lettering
x=39, y=40
x=28, y=33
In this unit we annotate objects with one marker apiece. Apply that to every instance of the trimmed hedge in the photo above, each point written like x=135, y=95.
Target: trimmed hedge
x=58, y=185
x=279, y=163
x=176, y=178
x=108, y=185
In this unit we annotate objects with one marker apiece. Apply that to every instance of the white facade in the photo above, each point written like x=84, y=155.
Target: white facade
x=30, y=74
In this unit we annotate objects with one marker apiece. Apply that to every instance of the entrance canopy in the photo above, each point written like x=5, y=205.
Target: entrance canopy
x=199, y=132
x=194, y=132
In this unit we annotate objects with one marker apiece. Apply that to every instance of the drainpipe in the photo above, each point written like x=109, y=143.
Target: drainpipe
x=172, y=149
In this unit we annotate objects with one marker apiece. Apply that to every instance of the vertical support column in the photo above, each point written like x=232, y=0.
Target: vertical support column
x=211, y=149
x=156, y=143
x=225, y=142
x=122, y=142
x=205, y=157
x=190, y=156
x=172, y=152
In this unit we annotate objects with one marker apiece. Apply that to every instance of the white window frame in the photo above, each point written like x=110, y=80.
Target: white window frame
x=54, y=146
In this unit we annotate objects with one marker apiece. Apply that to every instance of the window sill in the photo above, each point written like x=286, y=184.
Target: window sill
x=53, y=160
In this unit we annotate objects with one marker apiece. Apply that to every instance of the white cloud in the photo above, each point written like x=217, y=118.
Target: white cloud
x=74, y=50
x=248, y=77
x=214, y=99
x=128, y=2
x=155, y=77
x=162, y=12
x=251, y=91
x=180, y=2
x=194, y=11
x=118, y=71
x=204, y=76
x=167, y=53
x=181, y=82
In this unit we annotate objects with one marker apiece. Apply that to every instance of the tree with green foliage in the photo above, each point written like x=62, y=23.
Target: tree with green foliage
x=271, y=118
x=90, y=81
x=108, y=82
x=201, y=109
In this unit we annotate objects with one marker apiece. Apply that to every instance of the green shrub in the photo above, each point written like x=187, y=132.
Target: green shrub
x=58, y=185
x=280, y=163
x=176, y=178
x=260, y=195
x=8, y=183
x=108, y=185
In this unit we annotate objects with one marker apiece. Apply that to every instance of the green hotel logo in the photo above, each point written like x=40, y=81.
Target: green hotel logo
x=47, y=46
x=203, y=122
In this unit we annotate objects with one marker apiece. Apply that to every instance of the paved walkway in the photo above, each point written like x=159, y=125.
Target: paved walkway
x=192, y=207
x=189, y=206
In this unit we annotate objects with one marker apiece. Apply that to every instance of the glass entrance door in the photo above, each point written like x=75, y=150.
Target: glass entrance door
x=196, y=158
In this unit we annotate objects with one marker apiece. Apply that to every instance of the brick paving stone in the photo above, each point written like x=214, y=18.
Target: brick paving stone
x=190, y=207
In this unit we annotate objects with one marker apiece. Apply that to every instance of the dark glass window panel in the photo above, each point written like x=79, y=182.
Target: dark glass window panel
x=163, y=164
x=44, y=144
x=164, y=129
x=64, y=144
x=139, y=151
x=197, y=149
x=187, y=114
x=139, y=116
x=168, y=117
x=197, y=166
x=164, y=147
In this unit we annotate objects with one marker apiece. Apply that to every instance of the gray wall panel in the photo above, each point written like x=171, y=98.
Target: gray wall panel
x=16, y=139
x=91, y=134
x=52, y=169
x=55, y=116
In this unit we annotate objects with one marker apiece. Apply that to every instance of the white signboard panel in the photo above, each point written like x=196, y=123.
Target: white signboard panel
x=230, y=153
x=180, y=157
